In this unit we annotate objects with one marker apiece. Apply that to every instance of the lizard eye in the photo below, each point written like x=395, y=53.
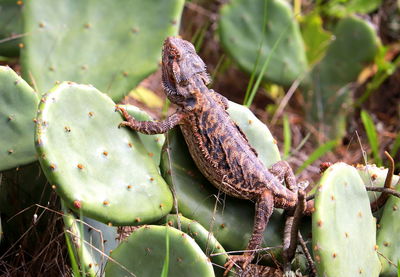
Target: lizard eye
x=171, y=57
x=183, y=82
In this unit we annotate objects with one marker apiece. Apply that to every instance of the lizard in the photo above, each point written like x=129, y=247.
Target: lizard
x=217, y=145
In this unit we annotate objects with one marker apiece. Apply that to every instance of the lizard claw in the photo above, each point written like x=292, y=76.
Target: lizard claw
x=238, y=260
x=126, y=115
x=123, y=124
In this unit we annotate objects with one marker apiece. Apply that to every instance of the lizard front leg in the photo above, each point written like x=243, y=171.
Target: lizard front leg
x=150, y=127
x=264, y=209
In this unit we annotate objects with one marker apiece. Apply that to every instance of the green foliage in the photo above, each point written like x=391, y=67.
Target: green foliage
x=341, y=8
x=318, y=153
x=18, y=104
x=396, y=146
x=112, y=45
x=388, y=238
x=315, y=37
x=90, y=250
x=287, y=136
x=241, y=28
x=10, y=28
x=372, y=136
x=355, y=45
x=343, y=226
x=143, y=254
x=230, y=221
x=97, y=167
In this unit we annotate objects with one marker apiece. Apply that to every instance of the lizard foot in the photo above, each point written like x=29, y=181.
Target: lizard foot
x=126, y=115
x=238, y=260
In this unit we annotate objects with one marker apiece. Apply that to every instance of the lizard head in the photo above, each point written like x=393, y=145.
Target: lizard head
x=180, y=66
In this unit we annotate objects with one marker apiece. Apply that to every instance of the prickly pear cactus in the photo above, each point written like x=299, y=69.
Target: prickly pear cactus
x=343, y=227
x=206, y=240
x=241, y=32
x=374, y=176
x=355, y=45
x=10, y=27
x=388, y=235
x=96, y=167
x=145, y=251
x=18, y=104
x=232, y=222
x=110, y=44
x=95, y=246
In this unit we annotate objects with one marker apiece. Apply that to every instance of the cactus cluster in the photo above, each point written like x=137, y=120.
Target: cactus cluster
x=111, y=45
x=267, y=32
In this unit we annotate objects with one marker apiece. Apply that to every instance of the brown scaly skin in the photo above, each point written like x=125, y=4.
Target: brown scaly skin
x=218, y=146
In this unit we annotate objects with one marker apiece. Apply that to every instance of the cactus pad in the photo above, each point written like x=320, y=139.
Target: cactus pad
x=143, y=254
x=95, y=166
x=355, y=45
x=18, y=104
x=375, y=176
x=97, y=243
x=343, y=226
x=10, y=27
x=241, y=32
x=388, y=238
x=110, y=44
x=203, y=238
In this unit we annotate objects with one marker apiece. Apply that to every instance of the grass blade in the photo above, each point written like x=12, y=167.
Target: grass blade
x=396, y=146
x=164, y=272
x=253, y=73
x=287, y=137
x=372, y=136
x=319, y=152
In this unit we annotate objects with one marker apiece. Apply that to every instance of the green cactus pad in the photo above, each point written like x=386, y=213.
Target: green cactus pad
x=375, y=176
x=233, y=221
x=95, y=166
x=241, y=32
x=202, y=237
x=388, y=238
x=18, y=104
x=98, y=241
x=110, y=44
x=152, y=143
x=343, y=227
x=144, y=252
x=10, y=28
x=355, y=45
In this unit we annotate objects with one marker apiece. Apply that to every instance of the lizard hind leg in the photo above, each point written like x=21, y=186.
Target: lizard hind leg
x=264, y=209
